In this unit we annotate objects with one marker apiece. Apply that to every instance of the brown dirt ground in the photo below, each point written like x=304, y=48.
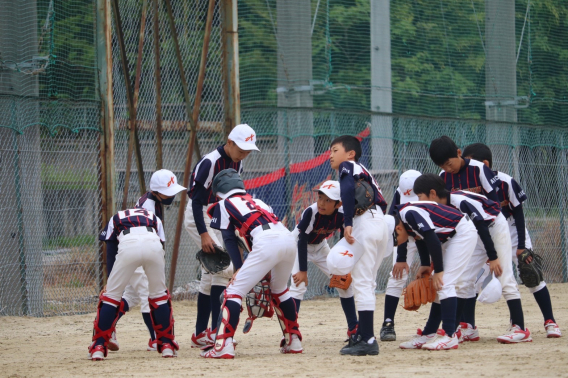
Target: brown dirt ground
x=57, y=346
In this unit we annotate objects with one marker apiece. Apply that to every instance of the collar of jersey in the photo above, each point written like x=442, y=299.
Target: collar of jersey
x=221, y=150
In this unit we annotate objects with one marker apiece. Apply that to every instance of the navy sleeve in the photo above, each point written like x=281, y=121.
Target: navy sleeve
x=197, y=203
x=402, y=252
x=470, y=210
x=485, y=236
x=232, y=246
x=434, y=249
x=305, y=221
x=347, y=189
x=519, y=216
x=493, y=196
x=395, y=202
x=417, y=222
x=303, y=251
x=423, y=253
x=111, y=251
x=202, y=174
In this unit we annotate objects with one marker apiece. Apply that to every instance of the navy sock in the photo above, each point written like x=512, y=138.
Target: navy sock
x=203, y=311
x=469, y=311
x=542, y=298
x=365, y=329
x=148, y=321
x=126, y=308
x=448, y=309
x=460, y=309
x=516, y=313
x=434, y=319
x=298, y=302
x=391, y=303
x=107, y=315
x=234, y=314
x=348, y=305
x=216, y=292
x=162, y=317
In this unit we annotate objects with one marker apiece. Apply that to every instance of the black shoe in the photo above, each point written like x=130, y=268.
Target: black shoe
x=358, y=347
x=387, y=332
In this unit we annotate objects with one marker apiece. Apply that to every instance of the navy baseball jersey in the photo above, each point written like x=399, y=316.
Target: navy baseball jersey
x=474, y=177
x=419, y=217
x=207, y=168
x=510, y=193
x=149, y=202
x=478, y=207
x=349, y=172
x=317, y=226
x=123, y=220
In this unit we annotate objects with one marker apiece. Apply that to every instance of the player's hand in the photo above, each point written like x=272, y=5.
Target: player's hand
x=233, y=278
x=495, y=267
x=398, y=270
x=347, y=234
x=438, y=281
x=422, y=271
x=207, y=244
x=300, y=277
x=103, y=290
x=529, y=259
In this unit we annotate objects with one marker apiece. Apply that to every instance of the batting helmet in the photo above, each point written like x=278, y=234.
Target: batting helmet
x=228, y=181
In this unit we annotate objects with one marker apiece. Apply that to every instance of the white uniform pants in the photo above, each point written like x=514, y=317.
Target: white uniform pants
x=363, y=258
x=207, y=280
x=456, y=253
x=502, y=241
x=395, y=286
x=274, y=251
x=528, y=245
x=317, y=254
x=138, y=248
x=136, y=292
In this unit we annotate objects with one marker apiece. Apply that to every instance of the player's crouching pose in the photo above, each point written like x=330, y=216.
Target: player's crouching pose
x=445, y=235
x=358, y=255
x=273, y=250
x=319, y=221
x=140, y=235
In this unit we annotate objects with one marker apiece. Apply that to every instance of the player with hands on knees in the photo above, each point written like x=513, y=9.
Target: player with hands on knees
x=446, y=237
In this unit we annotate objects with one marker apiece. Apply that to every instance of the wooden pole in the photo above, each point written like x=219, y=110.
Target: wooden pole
x=157, y=76
x=230, y=40
x=192, y=141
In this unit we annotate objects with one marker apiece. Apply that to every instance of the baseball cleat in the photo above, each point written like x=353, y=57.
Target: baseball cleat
x=442, y=342
x=387, y=332
x=98, y=353
x=459, y=335
x=201, y=340
x=168, y=351
x=515, y=335
x=469, y=333
x=294, y=347
x=417, y=341
x=552, y=330
x=152, y=346
x=113, y=342
x=358, y=347
x=226, y=350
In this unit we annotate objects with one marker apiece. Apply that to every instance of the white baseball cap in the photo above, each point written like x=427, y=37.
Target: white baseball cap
x=244, y=136
x=331, y=189
x=165, y=182
x=492, y=290
x=406, y=186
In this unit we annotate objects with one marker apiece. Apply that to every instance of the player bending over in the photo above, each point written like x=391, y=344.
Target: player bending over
x=358, y=255
x=512, y=196
x=446, y=237
x=140, y=237
x=493, y=245
x=273, y=250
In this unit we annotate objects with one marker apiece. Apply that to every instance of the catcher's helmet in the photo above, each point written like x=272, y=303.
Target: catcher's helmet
x=228, y=181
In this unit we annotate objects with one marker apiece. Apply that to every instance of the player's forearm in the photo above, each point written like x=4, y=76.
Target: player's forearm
x=485, y=236
x=303, y=252
x=519, y=216
x=197, y=209
x=232, y=246
x=435, y=250
x=347, y=185
x=111, y=251
x=422, y=253
x=402, y=252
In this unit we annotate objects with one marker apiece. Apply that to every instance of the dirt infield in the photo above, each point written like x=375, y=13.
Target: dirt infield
x=57, y=346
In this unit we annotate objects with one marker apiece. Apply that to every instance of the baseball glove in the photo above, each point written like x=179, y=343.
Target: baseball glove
x=530, y=273
x=214, y=262
x=418, y=292
x=340, y=282
x=364, y=197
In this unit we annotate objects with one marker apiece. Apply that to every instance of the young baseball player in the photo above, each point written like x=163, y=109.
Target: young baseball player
x=318, y=222
x=463, y=174
x=446, y=237
x=512, y=196
x=138, y=235
x=493, y=245
x=358, y=255
x=402, y=256
x=240, y=143
x=273, y=250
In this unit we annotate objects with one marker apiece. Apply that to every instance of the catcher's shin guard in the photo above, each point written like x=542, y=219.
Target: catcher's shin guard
x=106, y=334
x=224, y=327
x=289, y=326
x=159, y=329
x=259, y=303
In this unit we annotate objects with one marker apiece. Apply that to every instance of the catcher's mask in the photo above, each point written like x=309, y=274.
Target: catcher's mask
x=227, y=182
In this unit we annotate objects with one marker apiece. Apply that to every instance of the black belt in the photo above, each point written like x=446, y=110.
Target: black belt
x=266, y=226
x=451, y=234
x=127, y=231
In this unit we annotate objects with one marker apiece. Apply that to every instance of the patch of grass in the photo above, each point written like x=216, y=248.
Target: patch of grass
x=69, y=242
x=57, y=178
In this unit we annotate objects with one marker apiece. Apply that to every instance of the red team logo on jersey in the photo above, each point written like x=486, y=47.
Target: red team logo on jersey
x=250, y=138
x=171, y=182
x=407, y=193
x=346, y=253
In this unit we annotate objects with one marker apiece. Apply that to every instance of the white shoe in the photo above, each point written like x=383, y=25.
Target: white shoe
x=552, y=329
x=152, y=346
x=221, y=349
x=168, y=350
x=442, y=342
x=469, y=333
x=417, y=341
x=515, y=335
x=113, y=342
x=294, y=347
x=202, y=340
x=97, y=354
